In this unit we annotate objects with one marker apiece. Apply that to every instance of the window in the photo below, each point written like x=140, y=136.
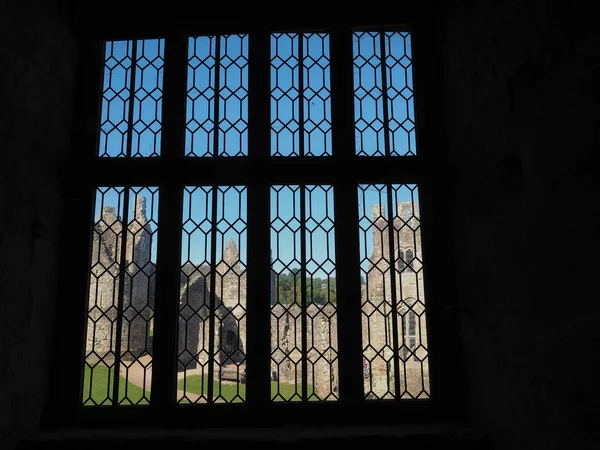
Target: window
x=401, y=263
x=251, y=199
x=409, y=328
x=409, y=258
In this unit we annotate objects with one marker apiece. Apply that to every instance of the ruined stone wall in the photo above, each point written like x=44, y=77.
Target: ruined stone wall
x=193, y=316
x=322, y=346
x=138, y=294
x=230, y=305
x=104, y=284
x=138, y=299
x=230, y=288
x=286, y=322
x=377, y=319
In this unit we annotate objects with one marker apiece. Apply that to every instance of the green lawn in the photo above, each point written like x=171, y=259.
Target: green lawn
x=234, y=393
x=102, y=386
x=102, y=383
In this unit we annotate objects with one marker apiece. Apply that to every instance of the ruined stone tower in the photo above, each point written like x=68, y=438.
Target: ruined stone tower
x=230, y=307
x=286, y=329
x=194, y=299
x=377, y=303
x=138, y=289
x=230, y=287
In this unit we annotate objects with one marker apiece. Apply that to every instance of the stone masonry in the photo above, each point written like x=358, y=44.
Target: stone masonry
x=377, y=320
x=322, y=346
x=230, y=318
x=138, y=289
x=286, y=329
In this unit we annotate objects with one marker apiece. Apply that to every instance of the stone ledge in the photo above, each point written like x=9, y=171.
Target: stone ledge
x=427, y=436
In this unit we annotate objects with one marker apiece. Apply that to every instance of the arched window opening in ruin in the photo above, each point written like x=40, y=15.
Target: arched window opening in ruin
x=409, y=325
x=230, y=342
x=409, y=258
x=401, y=261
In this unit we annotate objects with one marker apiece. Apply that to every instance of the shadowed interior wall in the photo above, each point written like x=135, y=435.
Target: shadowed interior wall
x=36, y=96
x=520, y=114
x=521, y=119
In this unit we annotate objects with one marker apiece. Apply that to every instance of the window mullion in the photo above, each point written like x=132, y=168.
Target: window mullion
x=391, y=213
x=301, y=93
x=124, y=227
x=168, y=264
x=303, y=300
x=120, y=295
x=66, y=374
x=259, y=259
x=346, y=215
x=131, y=100
x=393, y=292
x=213, y=288
x=384, y=94
x=213, y=233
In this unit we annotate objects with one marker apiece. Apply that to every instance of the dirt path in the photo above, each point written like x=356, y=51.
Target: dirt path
x=139, y=372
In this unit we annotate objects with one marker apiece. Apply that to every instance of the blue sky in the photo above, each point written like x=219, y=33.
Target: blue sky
x=285, y=214
x=233, y=111
x=147, y=106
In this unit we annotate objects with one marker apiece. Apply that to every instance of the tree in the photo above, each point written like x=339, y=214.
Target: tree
x=318, y=290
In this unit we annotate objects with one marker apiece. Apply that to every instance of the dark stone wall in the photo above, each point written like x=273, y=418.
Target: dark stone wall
x=521, y=114
x=36, y=94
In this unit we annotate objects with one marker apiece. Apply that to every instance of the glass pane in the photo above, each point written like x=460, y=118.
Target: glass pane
x=194, y=309
x=212, y=322
x=285, y=95
x=394, y=344
x=131, y=124
x=147, y=103
x=233, y=96
x=131, y=309
x=300, y=95
x=317, y=95
x=217, y=69
x=116, y=99
x=383, y=99
x=304, y=363
x=139, y=289
x=410, y=296
x=321, y=299
x=401, y=107
x=230, y=289
x=286, y=299
x=200, y=111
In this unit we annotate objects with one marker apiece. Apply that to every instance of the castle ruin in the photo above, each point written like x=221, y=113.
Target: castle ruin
x=406, y=277
x=229, y=339
x=138, y=289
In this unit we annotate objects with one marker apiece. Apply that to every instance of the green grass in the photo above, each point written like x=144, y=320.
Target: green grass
x=102, y=388
x=102, y=384
x=194, y=384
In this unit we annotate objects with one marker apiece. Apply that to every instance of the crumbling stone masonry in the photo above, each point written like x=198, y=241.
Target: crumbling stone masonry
x=230, y=317
x=286, y=330
x=377, y=320
x=138, y=292
x=322, y=346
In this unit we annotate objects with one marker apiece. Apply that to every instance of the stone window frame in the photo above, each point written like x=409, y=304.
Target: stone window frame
x=243, y=171
x=409, y=320
x=409, y=259
x=401, y=263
